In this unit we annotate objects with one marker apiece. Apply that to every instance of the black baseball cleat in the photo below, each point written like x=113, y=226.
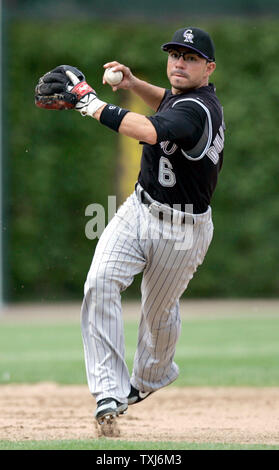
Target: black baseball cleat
x=108, y=409
x=135, y=396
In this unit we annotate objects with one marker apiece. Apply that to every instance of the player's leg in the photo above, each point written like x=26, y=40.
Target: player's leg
x=118, y=257
x=164, y=281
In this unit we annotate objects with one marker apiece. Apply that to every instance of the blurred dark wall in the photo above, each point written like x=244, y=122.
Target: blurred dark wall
x=150, y=11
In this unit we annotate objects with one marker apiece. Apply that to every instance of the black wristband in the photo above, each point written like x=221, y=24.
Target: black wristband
x=112, y=116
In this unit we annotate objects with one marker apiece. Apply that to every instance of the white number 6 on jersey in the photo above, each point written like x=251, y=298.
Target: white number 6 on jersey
x=166, y=176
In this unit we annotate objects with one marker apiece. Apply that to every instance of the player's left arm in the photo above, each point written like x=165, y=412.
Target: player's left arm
x=183, y=123
x=65, y=88
x=133, y=125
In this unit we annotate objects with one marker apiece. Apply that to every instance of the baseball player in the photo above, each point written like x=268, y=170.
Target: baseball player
x=163, y=229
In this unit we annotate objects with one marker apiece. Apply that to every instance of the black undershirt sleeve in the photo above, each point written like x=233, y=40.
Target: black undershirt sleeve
x=183, y=124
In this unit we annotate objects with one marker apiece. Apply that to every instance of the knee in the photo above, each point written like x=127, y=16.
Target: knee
x=100, y=281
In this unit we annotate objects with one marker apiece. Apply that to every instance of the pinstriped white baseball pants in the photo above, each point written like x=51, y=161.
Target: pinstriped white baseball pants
x=135, y=241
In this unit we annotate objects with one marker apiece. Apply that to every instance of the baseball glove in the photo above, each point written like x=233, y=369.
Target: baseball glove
x=55, y=90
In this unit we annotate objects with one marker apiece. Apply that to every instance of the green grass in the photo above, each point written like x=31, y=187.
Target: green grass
x=223, y=351
x=241, y=350
x=104, y=444
x=41, y=352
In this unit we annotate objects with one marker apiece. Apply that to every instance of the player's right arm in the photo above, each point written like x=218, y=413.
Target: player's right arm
x=152, y=95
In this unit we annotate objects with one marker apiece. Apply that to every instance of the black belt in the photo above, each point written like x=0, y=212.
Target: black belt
x=186, y=219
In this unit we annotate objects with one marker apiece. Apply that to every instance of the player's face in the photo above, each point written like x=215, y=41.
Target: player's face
x=188, y=71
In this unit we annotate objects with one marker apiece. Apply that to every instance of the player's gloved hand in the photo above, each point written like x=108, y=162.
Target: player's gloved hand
x=65, y=88
x=87, y=101
x=52, y=92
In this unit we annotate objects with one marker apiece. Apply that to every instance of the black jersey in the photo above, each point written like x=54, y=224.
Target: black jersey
x=182, y=167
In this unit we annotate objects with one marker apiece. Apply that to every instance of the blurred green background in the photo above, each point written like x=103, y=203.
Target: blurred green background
x=57, y=163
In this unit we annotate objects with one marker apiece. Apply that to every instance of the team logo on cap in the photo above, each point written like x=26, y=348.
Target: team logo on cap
x=188, y=35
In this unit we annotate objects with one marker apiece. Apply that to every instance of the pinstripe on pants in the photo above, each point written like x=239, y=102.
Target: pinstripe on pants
x=136, y=241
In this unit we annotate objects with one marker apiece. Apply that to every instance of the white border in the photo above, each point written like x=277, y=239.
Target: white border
x=1, y=156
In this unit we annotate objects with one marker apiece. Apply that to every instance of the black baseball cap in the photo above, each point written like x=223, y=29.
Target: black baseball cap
x=195, y=39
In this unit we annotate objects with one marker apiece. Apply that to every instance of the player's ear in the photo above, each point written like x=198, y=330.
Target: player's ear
x=211, y=66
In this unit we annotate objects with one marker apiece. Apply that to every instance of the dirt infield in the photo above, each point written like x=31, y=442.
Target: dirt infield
x=47, y=411
x=45, y=312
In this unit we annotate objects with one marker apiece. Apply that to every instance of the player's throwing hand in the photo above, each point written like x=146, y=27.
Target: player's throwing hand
x=128, y=79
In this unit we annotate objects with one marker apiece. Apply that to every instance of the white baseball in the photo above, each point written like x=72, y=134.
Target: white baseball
x=113, y=78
